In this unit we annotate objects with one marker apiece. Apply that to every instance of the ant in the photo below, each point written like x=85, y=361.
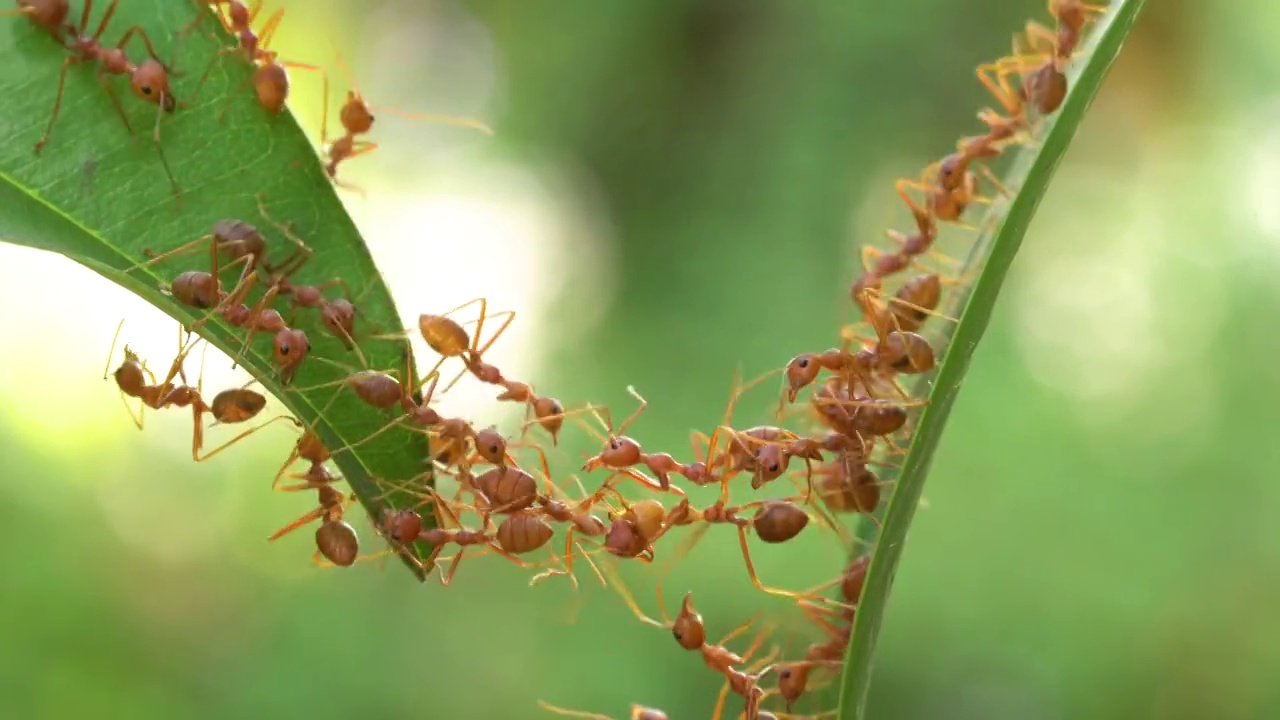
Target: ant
x=270, y=78
x=631, y=532
x=308, y=447
x=847, y=485
x=793, y=677
x=690, y=634
x=775, y=521
x=356, y=118
x=620, y=453
x=228, y=407
x=48, y=15
x=580, y=520
x=336, y=540
x=132, y=379
x=547, y=411
x=241, y=242
x=449, y=339
x=149, y=80
x=524, y=535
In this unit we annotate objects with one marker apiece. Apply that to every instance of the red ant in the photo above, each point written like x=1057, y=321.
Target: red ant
x=270, y=79
x=149, y=80
x=775, y=521
x=336, y=540
x=356, y=118
x=525, y=533
x=620, y=453
x=228, y=407
x=450, y=339
x=690, y=634
x=547, y=411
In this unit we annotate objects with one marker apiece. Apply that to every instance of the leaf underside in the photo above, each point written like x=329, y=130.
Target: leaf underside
x=100, y=198
x=1029, y=173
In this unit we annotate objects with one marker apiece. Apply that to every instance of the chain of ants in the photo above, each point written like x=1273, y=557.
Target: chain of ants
x=859, y=402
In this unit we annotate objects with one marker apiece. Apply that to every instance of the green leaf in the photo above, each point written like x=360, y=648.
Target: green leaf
x=100, y=198
x=1028, y=178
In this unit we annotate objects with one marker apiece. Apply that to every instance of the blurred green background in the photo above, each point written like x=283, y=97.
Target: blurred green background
x=678, y=189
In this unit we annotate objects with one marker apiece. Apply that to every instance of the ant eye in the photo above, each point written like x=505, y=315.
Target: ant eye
x=284, y=348
x=785, y=674
x=773, y=468
x=614, y=444
x=804, y=363
x=677, y=635
x=493, y=449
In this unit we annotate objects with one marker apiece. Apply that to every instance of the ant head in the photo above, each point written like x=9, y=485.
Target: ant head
x=403, y=525
x=355, y=116
x=792, y=678
x=271, y=85
x=800, y=372
x=339, y=318
x=150, y=82
x=622, y=538
x=288, y=349
x=490, y=445
x=771, y=461
x=687, y=628
x=620, y=451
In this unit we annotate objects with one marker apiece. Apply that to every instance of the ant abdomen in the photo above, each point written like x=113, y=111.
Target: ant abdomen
x=779, y=521
x=338, y=542
x=509, y=488
x=238, y=405
x=194, y=288
x=271, y=86
x=522, y=533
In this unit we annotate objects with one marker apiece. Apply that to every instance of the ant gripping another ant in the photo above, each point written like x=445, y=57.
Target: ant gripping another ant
x=148, y=80
x=228, y=407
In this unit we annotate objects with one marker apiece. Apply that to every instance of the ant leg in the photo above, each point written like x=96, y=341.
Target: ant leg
x=115, y=101
x=442, y=119
x=238, y=438
x=222, y=52
x=510, y=316
x=999, y=86
x=57, y=102
x=254, y=312
x=572, y=713
x=302, y=251
x=751, y=570
x=306, y=519
x=106, y=18
x=1039, y=36
x=142, y=33
x=632, y=417
x=445, y=579
x=269, y=27
x=183, y=249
